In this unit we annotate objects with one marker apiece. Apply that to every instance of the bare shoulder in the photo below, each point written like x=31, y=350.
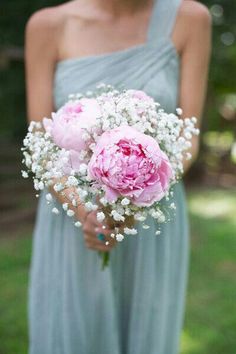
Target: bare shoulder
x=52, y=18
x=195, y=13
x=42, y=33
x=193, y=24
x=45, y=27
x=44, y=22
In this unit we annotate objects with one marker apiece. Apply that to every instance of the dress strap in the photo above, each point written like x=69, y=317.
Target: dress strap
x=163, y=19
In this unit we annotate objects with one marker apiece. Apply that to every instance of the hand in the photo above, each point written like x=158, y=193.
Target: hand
x=80, y=213
x=91, y=228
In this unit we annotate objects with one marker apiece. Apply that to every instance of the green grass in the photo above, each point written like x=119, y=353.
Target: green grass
x=211, y=311
x=14, y=265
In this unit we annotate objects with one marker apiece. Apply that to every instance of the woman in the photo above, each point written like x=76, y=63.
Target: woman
x=135, y=306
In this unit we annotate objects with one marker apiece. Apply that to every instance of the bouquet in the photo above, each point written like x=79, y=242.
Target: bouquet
x=118, y=151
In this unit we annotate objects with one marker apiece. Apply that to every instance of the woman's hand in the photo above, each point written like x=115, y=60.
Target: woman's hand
x=91, y=228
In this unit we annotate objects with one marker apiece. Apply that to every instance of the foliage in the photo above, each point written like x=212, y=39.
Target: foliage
x=223, y=63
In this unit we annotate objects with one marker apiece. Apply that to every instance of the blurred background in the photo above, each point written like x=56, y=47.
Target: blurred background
x=210, y=323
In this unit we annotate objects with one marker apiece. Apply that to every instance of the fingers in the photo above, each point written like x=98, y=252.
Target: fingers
x=91, y=228
x=92, y=242
x=92, y=219
x=93, y=237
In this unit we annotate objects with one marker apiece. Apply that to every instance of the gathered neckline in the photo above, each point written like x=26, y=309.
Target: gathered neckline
x=118, y=53
x=103, y=55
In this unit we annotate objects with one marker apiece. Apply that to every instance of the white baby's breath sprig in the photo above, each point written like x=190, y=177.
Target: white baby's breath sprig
x=100, y=216
x=70, y=212
x=78, y=224
x=117, y=216
x=49, y=197
x=119, y=237
x=55, y=211
x=129, y=231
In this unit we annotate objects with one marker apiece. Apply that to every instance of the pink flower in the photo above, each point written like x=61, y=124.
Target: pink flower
x=129, y=163
x=141, y=95
x=70, y=122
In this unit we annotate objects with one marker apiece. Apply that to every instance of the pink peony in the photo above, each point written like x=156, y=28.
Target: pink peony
x=129, y=163
x=70, y=122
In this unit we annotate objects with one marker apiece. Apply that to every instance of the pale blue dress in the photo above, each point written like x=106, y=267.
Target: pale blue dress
x=135, y=306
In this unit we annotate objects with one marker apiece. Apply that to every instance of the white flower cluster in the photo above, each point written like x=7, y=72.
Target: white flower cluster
x=47, y=162
x=37, y=148
x=174, y=135
x=126, y=109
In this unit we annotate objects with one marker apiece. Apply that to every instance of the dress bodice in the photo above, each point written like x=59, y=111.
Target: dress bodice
x=152, y=66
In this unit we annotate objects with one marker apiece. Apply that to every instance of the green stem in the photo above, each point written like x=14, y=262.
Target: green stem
x=105, y=256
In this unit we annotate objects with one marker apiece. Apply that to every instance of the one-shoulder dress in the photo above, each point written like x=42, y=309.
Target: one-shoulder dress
x=136, y=305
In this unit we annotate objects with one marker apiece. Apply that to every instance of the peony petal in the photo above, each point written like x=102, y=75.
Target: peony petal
x=75, y=160
x=110, y=194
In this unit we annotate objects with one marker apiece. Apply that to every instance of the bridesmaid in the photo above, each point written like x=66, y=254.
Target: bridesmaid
x=136, y=306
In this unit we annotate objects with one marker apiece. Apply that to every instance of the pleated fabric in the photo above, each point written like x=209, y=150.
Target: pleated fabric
x=135, y=306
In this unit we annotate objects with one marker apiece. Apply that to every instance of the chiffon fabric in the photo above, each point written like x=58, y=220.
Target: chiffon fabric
x=135, y=306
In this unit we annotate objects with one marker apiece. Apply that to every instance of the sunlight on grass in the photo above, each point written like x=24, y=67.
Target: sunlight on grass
x=213, y=204
x=189, y=345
